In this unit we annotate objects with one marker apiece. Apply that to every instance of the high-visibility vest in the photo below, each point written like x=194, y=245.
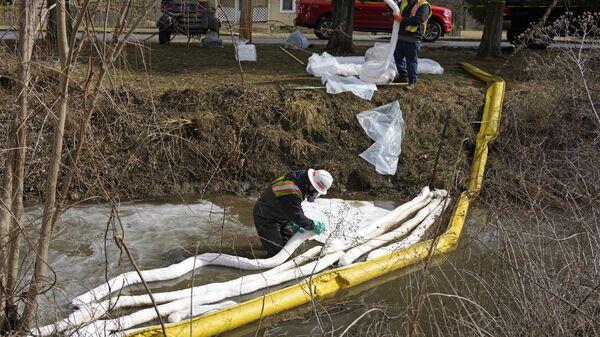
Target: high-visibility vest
x=282, y=187
x=413, y=12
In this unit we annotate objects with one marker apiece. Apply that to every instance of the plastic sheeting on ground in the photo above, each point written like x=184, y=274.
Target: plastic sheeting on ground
x=336, y=84
x=385, y=126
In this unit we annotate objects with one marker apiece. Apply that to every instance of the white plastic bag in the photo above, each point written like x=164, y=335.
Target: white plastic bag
x=319, y=65
x=297, y=41
x=245, y=52
x=385, y=126
x=336, y=84
x=427, y=66
x=211, y=40
x=349, y=69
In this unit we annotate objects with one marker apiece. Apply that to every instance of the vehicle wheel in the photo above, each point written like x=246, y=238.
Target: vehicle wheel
x=164, y=37
x=433, y=31
x=323, y=29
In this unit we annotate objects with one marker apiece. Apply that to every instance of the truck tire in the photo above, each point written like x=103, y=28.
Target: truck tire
x=164, y=36
x=323, y=29
x=433, y=32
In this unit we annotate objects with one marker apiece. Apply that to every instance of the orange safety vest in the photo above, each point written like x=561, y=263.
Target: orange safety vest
x=413, y=12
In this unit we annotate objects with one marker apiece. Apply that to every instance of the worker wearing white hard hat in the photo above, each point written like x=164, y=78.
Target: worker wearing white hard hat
x=278, y=212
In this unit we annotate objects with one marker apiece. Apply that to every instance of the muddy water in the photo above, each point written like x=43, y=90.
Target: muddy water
x=166, y=232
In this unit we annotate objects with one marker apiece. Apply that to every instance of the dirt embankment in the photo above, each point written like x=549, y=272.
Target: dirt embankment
x=236, y=139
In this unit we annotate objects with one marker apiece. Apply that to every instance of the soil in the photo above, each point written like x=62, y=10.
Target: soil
x=177, y=120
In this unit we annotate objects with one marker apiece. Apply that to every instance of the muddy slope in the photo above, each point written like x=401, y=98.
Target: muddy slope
x=236, y=139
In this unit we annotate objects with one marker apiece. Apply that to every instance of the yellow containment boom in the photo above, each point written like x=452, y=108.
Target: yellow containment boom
x=327, y=283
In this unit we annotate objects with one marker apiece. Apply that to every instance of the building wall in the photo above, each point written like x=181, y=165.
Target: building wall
x=278, y=18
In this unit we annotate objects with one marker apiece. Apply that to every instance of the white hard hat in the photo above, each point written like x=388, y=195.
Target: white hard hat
x=321, y=180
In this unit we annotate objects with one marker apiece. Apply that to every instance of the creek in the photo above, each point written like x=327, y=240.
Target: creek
x=159, y=233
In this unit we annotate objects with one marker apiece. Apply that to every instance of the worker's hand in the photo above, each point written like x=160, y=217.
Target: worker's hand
x=397, y=17
x=295, y=227
x=319, y=227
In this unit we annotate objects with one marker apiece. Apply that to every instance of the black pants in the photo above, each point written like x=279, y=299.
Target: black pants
x=273, y=235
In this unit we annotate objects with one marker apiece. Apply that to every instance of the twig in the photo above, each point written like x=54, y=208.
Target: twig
x=359, y=318
x=439, y=150
x=546, y=290
x=121, y=244
x=292, y=56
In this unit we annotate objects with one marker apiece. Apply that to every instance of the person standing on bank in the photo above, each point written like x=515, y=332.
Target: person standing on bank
x=278, y=212
x=413, y=18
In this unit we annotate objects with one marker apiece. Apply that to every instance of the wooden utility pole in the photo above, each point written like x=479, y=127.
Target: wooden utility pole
x=246, y=21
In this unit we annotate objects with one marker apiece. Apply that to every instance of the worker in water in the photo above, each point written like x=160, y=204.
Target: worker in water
x=278, y=212
x=413, y=18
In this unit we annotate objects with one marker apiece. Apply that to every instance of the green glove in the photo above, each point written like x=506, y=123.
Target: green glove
x=295, y=227
x=319, y=227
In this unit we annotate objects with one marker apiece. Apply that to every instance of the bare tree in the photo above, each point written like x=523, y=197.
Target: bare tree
x=340, y=41
x=68, y=50
x=491, y=39
x=53, y=169
x=11, y=202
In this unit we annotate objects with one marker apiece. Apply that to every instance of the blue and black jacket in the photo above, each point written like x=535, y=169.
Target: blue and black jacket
x=281, y=202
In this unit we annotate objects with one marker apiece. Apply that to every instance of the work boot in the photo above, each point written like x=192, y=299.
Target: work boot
x=400, y=78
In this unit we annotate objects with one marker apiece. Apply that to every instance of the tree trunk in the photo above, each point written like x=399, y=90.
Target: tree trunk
x=343, y=19
x=246, y=21
x=491, y=39
x=12, y=196
x=39, y=270
x=51, y=29
x=50, y=37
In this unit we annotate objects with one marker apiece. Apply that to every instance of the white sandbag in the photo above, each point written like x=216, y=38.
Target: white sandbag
x=336, y=84
x=428, y=66
x=297, y=40
x=198, y=310
x=378, y=52
x=349, y=69
x=380, y=225
x=416, y=234
x=92, y=311
x=186, y=266
x=385, y=238
x=385, y=126
x=319, y=65
x=245, y=51
x=149, y=314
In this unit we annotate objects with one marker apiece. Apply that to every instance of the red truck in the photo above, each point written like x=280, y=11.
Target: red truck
x=369, y=16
